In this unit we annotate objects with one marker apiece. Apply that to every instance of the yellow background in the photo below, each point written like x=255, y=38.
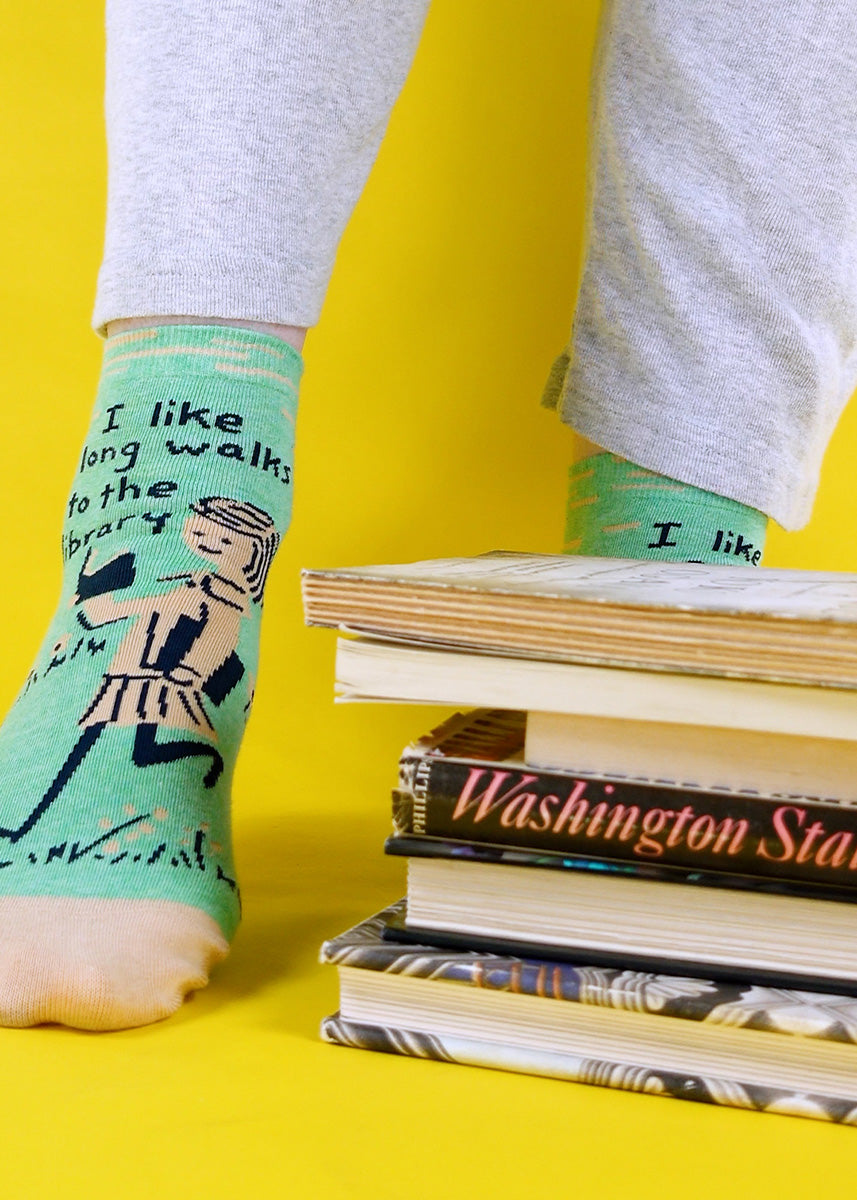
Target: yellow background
x=420, y=435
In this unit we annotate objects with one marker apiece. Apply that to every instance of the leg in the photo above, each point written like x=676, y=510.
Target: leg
x=714, y=339
x=240, y=136
x=149, y=752
x=76, y=756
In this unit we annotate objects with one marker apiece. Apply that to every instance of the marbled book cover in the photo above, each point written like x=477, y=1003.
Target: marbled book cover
x=774, y=1010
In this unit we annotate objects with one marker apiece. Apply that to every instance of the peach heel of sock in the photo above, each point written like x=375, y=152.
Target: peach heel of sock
x=101, y=964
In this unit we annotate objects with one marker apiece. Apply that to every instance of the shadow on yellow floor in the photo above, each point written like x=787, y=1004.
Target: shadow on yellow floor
x=303, y=880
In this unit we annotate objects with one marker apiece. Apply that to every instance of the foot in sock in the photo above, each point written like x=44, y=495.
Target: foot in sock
x=117, y=889
x=619, y=510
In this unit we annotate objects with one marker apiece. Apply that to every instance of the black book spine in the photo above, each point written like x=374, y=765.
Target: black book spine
x=529, y=808
x=403, y=846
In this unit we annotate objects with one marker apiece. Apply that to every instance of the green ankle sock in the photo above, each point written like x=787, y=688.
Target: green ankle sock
x=619, y=510
x=116, y=760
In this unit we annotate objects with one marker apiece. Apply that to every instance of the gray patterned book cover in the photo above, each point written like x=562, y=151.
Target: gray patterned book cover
x=777, y=1011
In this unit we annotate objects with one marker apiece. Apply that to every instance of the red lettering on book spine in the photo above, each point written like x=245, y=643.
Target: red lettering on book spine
x=488, y=800
x=834, y=850
x=780, y=823
x=513, y=807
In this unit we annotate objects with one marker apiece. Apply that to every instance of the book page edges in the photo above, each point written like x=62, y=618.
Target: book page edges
x=380, y=671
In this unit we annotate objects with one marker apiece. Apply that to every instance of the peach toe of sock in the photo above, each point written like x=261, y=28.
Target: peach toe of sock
x=101, y=964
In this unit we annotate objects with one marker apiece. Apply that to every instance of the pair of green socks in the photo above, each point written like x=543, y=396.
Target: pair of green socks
x=117, y=886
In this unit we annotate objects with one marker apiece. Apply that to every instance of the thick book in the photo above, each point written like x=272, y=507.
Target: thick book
x=778, y=625
x=468, y=781
x=566, y=907
x=670, y=1035
x=368, y=670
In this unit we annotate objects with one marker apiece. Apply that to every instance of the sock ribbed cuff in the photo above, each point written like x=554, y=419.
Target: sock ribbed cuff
x=619, y=510
x=217, y=351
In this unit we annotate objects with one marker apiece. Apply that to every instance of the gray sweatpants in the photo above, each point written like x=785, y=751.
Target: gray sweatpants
x=715, y=338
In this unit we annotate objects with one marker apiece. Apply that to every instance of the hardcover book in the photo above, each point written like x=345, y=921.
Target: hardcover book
x=393, y=672
x=468, y=781
x=796, y=626
x=752, y=1047
x=566, y=906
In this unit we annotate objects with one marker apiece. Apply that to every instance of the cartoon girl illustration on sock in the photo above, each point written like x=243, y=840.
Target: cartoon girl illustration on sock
x=179, y=655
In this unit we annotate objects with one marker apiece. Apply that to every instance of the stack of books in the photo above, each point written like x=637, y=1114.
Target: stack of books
x=634, y=863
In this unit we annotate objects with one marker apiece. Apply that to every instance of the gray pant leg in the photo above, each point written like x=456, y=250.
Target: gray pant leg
x=240, y=134
x=715, y=338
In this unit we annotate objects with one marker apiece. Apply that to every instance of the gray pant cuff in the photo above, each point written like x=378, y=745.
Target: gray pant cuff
x=277, y=294
x=752, y=474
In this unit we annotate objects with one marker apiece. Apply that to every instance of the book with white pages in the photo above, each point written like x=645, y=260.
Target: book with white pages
x=571, y=909
x=393, y=672
x=694, y=756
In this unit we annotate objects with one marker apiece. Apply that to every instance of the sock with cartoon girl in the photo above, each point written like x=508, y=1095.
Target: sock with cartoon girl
x=117, y=890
